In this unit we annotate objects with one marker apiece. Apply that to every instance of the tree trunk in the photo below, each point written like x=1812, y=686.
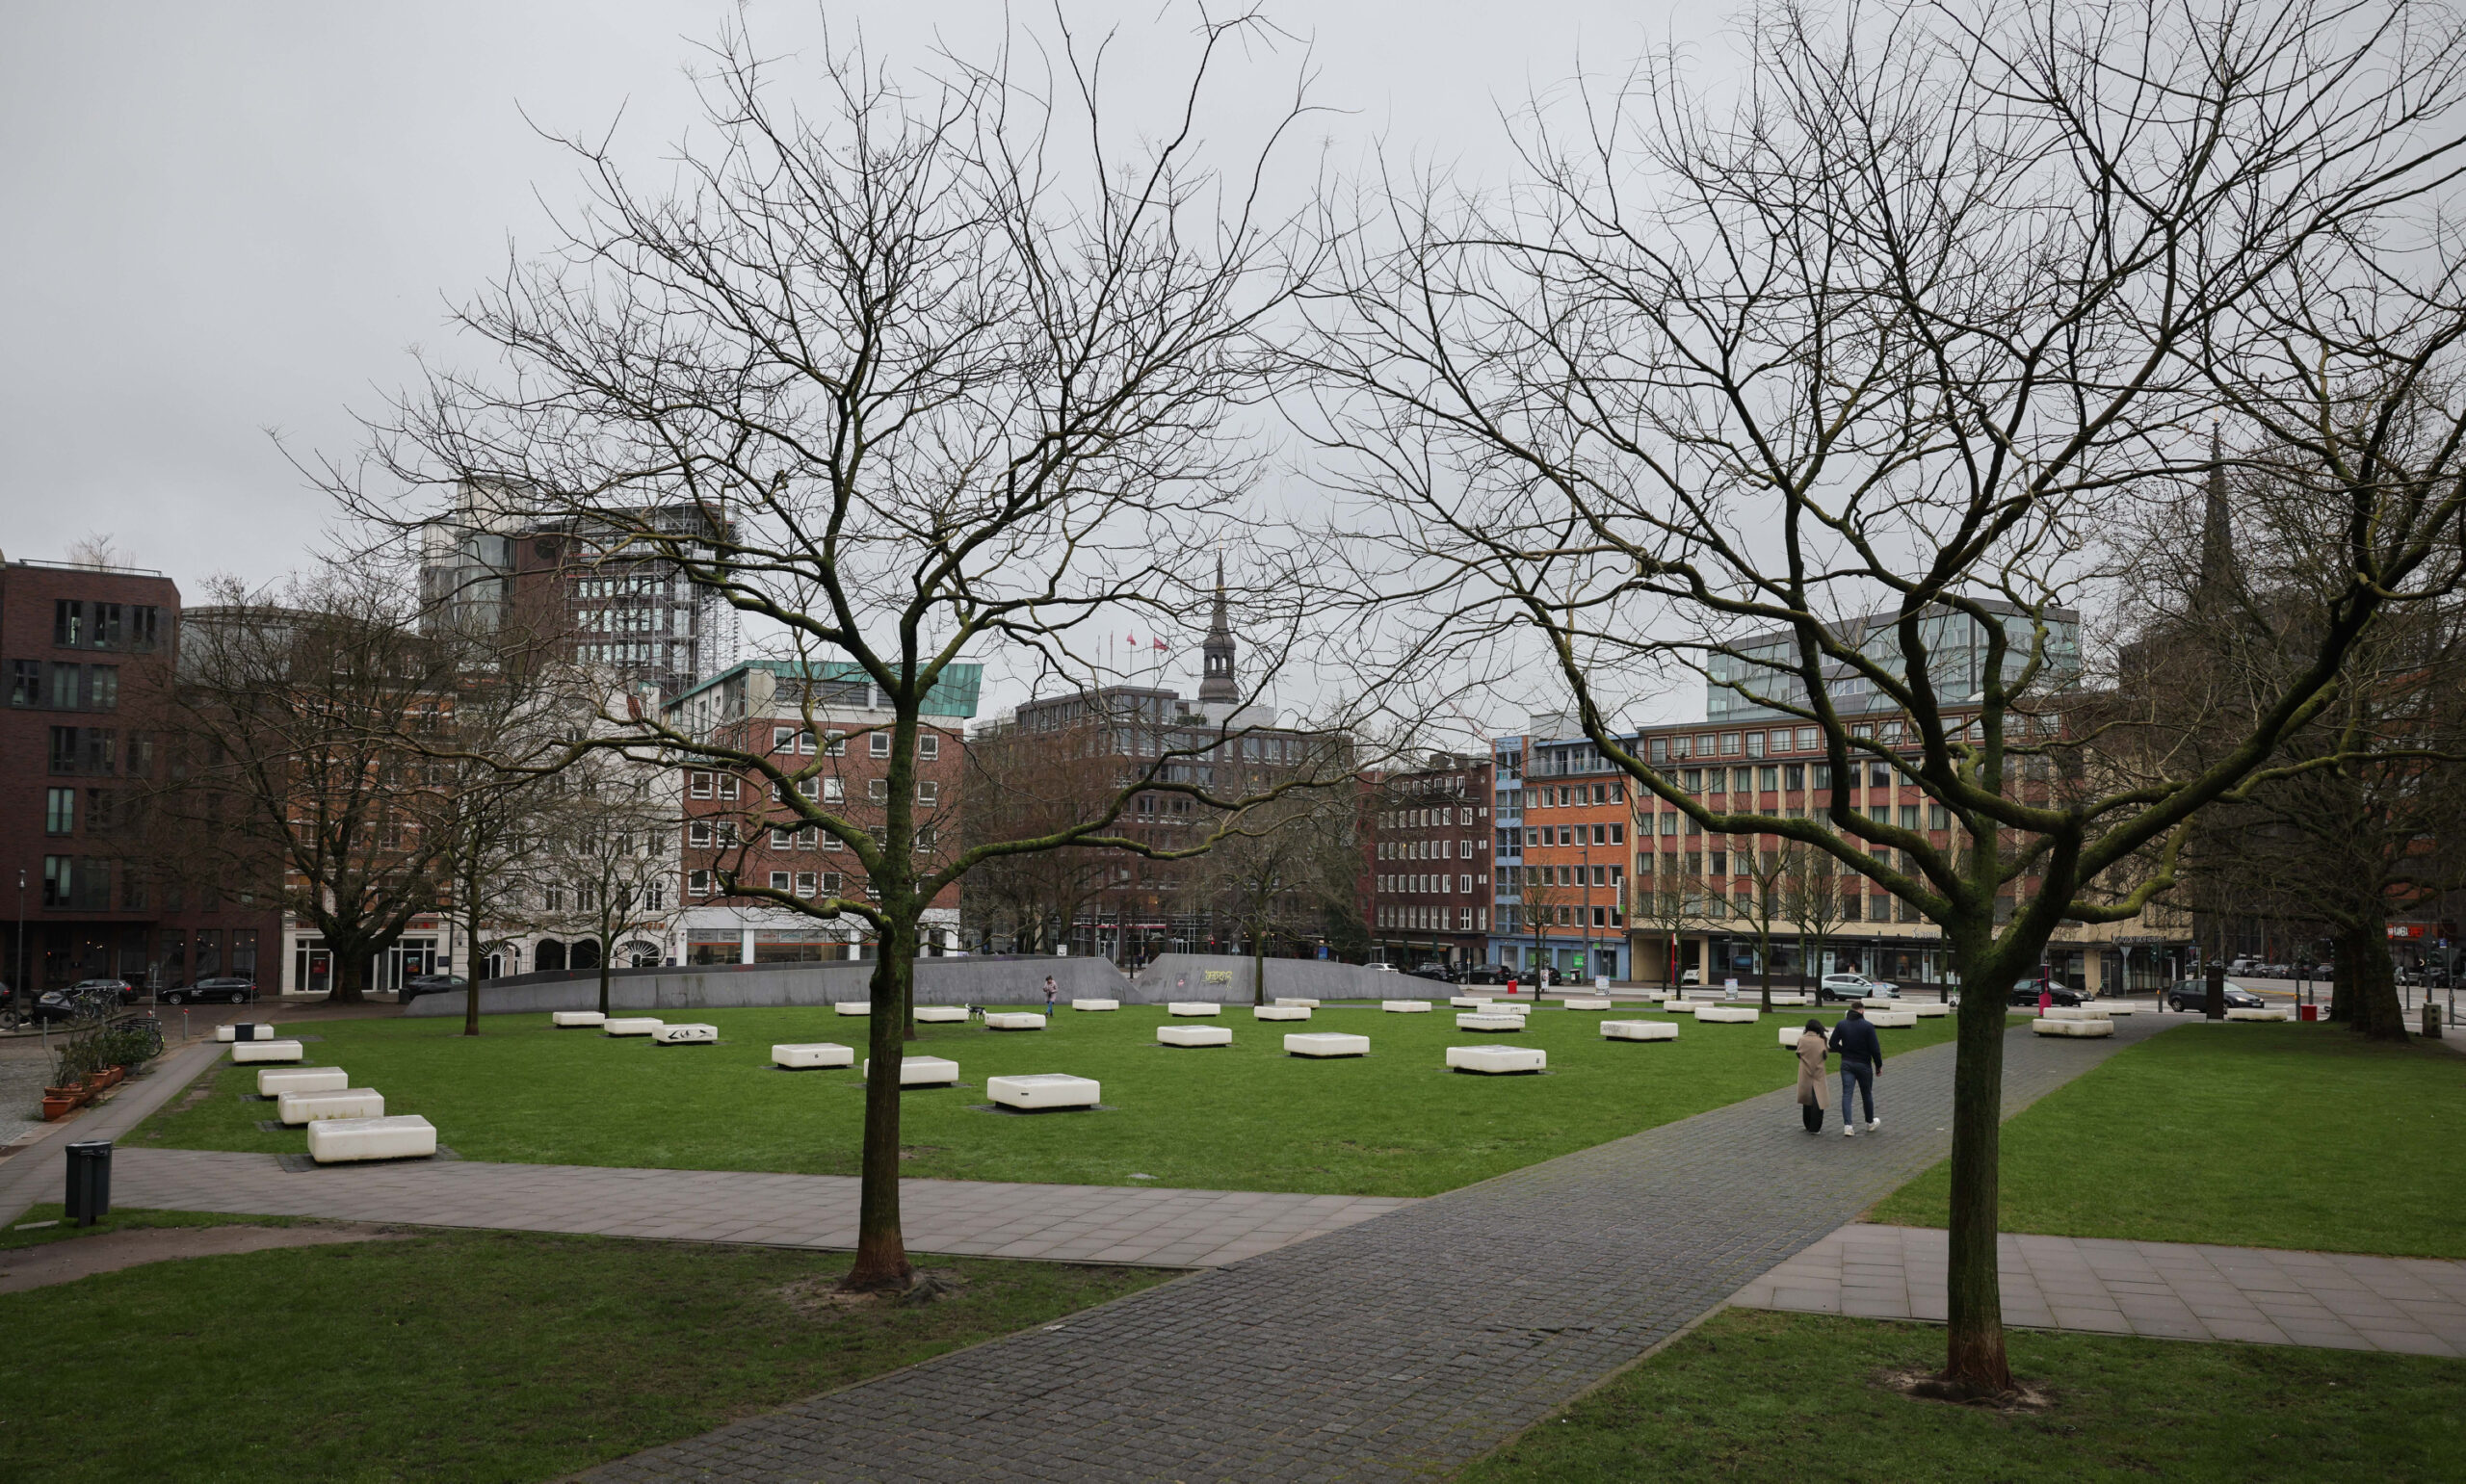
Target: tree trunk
x=1973, y=1357
x=2342, y=987
x=471, y=978
x=350, y=976
x=881, y=1251
x=1764, y=968
x=2362, y=957
x=1258, y=967
x=607, y=949
x=2215, y=972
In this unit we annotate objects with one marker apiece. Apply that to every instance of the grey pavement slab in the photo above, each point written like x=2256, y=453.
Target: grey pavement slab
x=2171, y=1291
x=1167, y=1227
x=1393, y=1348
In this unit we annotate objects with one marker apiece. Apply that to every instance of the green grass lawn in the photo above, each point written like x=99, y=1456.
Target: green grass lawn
x=469, y=1356
x=2253, y=1136
x=1245, y=1117
x=1753, y=1395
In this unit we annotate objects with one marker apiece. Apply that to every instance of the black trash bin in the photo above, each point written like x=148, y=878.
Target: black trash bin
x=89, y=1180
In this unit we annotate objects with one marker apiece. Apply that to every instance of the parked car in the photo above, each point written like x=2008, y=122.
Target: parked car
x=418, y=984
x=1438, y=971
x=1486, y=973
x=2193, y=995
x=120, y=990
x=86, y=1000
x=2025, y=992
x=1853, y=986
x=2246, y=966
x=236, y=989
x=1376, y=968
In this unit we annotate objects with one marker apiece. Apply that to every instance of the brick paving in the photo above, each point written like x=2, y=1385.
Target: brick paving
x=1161, y=1227
x=2167, y=1291
x=1393, y=1348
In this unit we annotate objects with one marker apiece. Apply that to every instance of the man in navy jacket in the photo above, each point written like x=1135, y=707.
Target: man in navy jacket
x=1862, y=1057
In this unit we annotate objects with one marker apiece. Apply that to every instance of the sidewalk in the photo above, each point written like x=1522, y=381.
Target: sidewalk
x=2167, y=1291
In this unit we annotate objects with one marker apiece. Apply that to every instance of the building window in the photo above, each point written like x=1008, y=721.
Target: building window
x=698, y=883
x=783, y=739
x=782, y=838
x=832, y=883
x=699, y=785
x=779, y=882
x=879, y=744
x=1755, y=744
x=928, y=791
x=25, y=682
x=728, y=785
x=1729, y=744
x=834, y=791
x=1938, y=817
x=697, y=835
x=804, y=838
x=929, y=747
x=878, y=790
x=835, y=744
x=60, y=812
x=1768, y=779
x=804, y=883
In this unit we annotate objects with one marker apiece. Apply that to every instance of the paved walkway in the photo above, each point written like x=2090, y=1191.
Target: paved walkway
x=1165, y=1228
x=1393, y=1348
x=2170, y=1291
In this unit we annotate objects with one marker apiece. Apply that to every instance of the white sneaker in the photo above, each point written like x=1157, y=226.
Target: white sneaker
x=1873, y=1124
x=1849, y=1131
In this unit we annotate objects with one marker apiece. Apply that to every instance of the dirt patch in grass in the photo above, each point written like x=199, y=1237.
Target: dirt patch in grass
x=108, y=1252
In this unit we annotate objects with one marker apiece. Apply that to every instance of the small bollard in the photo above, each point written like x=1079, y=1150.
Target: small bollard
x=2431, y=1020
x=89, y=1180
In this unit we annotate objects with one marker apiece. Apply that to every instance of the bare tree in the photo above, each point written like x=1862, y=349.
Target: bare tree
x=294, y=759
x=1277, y=866
x=942, y=370
x=1812, y=899
x=1814, y=397
x=1766, y=907
x=606, y=864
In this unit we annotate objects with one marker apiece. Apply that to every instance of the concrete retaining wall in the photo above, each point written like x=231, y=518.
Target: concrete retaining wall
x=1311, y=978
x=738, y=986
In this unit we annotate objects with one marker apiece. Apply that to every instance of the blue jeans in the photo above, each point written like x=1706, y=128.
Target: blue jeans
x=1862, y=1077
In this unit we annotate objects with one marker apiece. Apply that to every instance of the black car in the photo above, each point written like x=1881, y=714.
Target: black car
x=418, y=984
x=2025, y=992
x=90, y=1000
x=1439, y=971
x=2193, y=995
x=1484, y=974
x=235, y=989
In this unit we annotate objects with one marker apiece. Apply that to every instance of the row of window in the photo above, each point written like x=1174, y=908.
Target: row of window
x=798, y=883
x=78, y=623
x=1416, y=919
x=58, y=687
x=1512, y=919
x=1421, y=884
x=1613, y=834
x=1446, y=817
x=721, y=834
x=1574, y=795
x=585, y=897
x=1516, y=878
x=96, y=750
x=60, y=808
x=1424, y=849
x=835, y=744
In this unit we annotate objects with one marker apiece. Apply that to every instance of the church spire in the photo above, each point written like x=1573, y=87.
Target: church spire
x=1216, y=674
x=2217, y=533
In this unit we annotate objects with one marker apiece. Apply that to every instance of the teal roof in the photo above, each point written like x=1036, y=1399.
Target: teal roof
x=954, y=694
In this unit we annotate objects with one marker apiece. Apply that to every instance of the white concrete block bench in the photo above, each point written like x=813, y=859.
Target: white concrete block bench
x=2266, y=1012
x=2076, y=1012
x=1469, y=1001
x=1488, y=1022
x=1928, y=1011
x=1879, y=1002
x=575, y=1020
x=1789, y=1037
x=686, y=1033
x=268, y=1051
x=1279, y=1012
x=2085, y=1028
x=402, y=1136
x=1193, y=1035
x=2105, y=1008
x=274, y=1082
x=1892, y=1020
x=1587, y=1004
x=1728, y=1015
x=854, y=1007
x=299, y=1107
x=807, y=1056
x=1191, y=1007
x=245, y=1030
x=922, y=1071
x=1638, y=1030
x=1793, y=996
x=1095, y=1004
x=939, y=1013
x=632, y=1025
x=1014, y=1019
x=1497, y=1060
x=1404, y=1007
x=1039, y=1090
x=1657, y=995
x=1327, y=1043
x=1308, y=1005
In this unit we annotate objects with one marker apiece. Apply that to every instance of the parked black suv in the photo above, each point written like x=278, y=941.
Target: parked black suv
x=2025, y=992
x=2193, y=995
x=234, y=988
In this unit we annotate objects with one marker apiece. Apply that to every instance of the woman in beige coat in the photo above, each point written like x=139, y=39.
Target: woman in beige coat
x=1815, y=1090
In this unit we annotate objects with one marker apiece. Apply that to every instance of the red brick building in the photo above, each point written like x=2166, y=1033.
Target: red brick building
x=88, y=653
x=1430, y=861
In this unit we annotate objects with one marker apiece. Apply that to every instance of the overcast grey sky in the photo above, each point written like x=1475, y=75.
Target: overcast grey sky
x=218, y=220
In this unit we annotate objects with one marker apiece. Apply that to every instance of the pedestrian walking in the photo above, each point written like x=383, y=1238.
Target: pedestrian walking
x=1862, y=1062
x=1815, y=1090
x=1048, y=993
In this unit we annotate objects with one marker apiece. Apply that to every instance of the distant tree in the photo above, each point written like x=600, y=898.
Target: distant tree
x=606, y=864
